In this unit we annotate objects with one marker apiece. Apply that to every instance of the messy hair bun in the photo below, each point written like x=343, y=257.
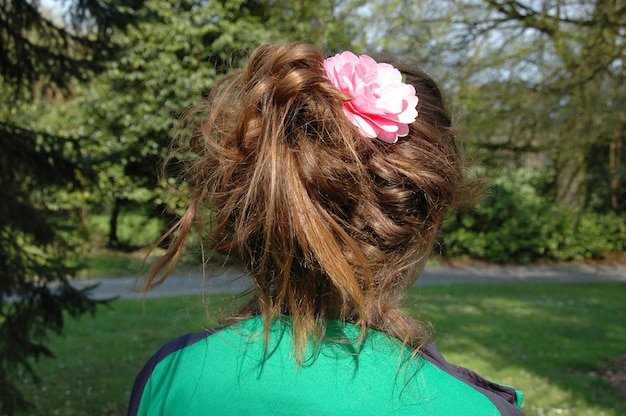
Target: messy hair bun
x=329, y=224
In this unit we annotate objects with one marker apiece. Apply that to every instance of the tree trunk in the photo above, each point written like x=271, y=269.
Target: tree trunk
x=571, y=177
x=115, y=213
x=616, y=150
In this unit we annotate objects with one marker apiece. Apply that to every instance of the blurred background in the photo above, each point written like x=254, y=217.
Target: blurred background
x=92, y=91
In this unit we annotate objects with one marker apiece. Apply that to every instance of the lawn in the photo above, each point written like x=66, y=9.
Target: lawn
x=552, y=341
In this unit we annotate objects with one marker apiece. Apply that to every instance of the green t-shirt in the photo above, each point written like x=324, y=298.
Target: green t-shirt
x=229, y=372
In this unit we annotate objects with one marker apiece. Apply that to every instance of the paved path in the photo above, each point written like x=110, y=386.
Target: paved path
x=231, y=280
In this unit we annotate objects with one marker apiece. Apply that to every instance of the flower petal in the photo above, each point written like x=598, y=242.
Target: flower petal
x=382, y=105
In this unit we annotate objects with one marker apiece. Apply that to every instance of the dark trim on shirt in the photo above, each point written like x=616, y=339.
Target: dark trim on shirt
x=169, y=348
x=503, y=397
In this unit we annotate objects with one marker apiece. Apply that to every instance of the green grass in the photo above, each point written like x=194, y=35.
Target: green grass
x=548, y=340
x=109, y=263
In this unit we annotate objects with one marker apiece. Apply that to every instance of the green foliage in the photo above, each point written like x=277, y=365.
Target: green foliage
x=34, y=293
x=40, y=58
x=537, y=81
x=518, y=223
x=136, y=227
x=43, y=49
x=167, y=63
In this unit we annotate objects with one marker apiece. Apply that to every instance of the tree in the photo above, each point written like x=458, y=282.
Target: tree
x=168, y=62
x=537, y=80
x=579, y=51
x=39, y=56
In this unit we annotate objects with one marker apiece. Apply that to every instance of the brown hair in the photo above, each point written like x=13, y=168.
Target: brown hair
x=329, y=224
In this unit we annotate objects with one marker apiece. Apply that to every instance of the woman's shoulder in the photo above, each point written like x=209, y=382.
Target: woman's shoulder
x=506, y=399
x=198, y=341
x=378, y=374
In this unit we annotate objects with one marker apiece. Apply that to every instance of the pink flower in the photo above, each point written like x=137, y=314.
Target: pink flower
x=382, y=106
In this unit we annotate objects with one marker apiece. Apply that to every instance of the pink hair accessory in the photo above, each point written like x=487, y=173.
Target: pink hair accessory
x=382, y=106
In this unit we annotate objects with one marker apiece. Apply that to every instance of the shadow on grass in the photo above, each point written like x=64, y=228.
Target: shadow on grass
x=548, y=340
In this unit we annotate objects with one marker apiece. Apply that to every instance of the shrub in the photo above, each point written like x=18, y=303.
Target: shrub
x=518, y=222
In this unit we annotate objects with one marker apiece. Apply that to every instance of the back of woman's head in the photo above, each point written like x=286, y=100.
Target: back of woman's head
x=330, y=224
